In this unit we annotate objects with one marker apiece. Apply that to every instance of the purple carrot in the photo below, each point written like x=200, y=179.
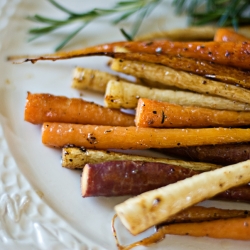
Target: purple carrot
x=129, y=177
x=117, y=178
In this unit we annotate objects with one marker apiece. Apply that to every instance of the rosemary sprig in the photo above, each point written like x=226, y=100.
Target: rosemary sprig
x=125, y=8
x=220, y=12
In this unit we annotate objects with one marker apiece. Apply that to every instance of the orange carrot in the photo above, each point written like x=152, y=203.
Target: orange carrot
x=151, y=113
x=229, y=35
x=234, y=54
x=234, y=228
x=49, y=108
x=106, y=137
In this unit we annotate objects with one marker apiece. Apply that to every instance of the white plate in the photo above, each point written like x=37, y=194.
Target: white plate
x=40, y=202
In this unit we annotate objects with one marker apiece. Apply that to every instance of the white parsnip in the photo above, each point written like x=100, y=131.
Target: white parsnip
x=91, y=79
x=121, y=94
x=97, y=80
x=151, y=208
x=181, y=79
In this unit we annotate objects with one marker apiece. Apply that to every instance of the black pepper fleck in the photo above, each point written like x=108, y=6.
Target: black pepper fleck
x=162, y=117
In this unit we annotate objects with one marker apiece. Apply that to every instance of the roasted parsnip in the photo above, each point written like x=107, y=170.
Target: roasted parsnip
x=73, y=158
x=120, y=94
x=181, y=79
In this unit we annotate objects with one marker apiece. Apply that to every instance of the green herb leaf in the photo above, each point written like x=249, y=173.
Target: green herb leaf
x=200, y=12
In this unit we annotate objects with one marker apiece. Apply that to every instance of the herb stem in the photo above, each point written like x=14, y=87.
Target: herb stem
x=219, y=12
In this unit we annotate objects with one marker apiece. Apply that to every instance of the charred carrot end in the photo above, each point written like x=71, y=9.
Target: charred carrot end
x=49, y=108
x=229, y=35
x=107, y=137
x=151, y=113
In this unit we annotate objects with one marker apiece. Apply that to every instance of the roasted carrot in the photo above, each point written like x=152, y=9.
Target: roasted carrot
x=233, y=228
x=49, y=108
x=106, y=137
x=231, y=54
x=234, y=54
x=156, y=114
x=229, y=35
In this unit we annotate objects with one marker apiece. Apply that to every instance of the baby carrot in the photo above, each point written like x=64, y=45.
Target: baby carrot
x=151, y=113
x=229, y=35
x=49, y=108
x=107, y=137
